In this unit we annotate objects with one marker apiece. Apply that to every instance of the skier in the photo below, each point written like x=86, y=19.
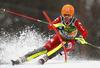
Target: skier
x=68, y=27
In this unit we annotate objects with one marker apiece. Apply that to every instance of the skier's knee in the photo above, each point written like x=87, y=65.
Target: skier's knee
x=56, y=50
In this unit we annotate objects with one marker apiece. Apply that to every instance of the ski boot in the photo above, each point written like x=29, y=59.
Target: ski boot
x=43, y=60
x=18, y=61
x=14, y=62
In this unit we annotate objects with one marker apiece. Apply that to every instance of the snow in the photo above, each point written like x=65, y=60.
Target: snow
x=58, y=64
x=14, y=47
x=28, y=41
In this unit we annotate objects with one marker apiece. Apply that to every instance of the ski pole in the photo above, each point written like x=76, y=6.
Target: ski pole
x=56, y=33
x=84, y=42
x=25, y=16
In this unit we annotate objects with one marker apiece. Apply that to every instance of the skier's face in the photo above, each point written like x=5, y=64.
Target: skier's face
x=67, y=17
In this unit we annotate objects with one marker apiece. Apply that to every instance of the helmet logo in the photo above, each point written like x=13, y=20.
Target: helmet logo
x=67, y=9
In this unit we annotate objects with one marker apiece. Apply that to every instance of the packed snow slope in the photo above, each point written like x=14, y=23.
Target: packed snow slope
x=58, y=64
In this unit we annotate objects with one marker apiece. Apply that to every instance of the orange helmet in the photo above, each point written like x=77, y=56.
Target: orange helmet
x=67, y=9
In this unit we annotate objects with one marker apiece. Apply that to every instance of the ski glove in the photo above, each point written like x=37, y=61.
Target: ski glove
x=60, y=28
x=78, y=40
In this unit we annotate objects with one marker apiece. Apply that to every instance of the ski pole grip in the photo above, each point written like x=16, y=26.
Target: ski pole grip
x=4, y=10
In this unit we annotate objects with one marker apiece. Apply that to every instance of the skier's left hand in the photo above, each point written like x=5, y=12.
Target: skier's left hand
x=78, y=40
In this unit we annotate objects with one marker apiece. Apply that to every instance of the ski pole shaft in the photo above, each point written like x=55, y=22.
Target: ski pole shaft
x=25, y=16
x=93, y=45
x=57, y=34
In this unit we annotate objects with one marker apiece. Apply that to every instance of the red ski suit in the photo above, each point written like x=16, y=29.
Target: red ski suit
x=71, y=33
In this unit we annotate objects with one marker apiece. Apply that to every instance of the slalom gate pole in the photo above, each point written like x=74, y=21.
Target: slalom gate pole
x=57, y=34
x=25, y=16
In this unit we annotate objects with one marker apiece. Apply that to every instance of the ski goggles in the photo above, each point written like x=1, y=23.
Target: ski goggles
x=67, y=15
